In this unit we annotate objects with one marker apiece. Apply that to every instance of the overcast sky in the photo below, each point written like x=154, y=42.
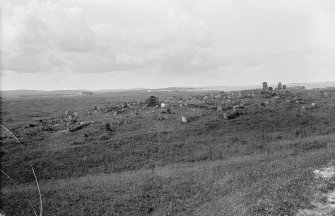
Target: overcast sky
x=107, y=44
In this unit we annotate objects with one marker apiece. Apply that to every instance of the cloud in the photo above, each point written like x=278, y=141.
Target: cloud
x=231, y=39
x=42, y=35
x=36, y=34
x=182, y=44
x=248, y=60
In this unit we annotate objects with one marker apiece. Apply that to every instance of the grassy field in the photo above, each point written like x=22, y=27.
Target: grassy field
x=150, y=163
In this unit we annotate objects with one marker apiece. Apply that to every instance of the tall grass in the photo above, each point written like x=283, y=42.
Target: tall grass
x=33, y=171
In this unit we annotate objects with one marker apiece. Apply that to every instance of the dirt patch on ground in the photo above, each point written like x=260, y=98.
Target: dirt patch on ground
x=324, y=200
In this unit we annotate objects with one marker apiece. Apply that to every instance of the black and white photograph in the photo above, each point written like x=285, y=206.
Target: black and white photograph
x=167, y=107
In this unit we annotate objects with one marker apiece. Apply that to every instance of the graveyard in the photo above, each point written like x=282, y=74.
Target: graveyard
x=249, y=152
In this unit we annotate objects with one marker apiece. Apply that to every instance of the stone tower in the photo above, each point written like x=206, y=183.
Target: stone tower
x=280, y=86
x=265, y=86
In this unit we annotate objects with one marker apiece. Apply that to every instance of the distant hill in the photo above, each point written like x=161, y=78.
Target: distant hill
x=313, y=85
x=205, y=88
x=238, y=88
x=39, y=92
x=118, y=90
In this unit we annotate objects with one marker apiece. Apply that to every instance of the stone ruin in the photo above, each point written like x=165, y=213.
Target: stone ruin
x=265, y=86
x=228, y=105
x=280, y=86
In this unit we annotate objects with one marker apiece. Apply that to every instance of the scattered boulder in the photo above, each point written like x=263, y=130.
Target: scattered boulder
x=235, y=107
x=107, y=126
x=47, y=128
x=325, y=173
x=225, y=115
x=324, y=197
x=219, y=108
x=183, y=119
x=312, y=106
x=193, y=118
x=234, y=115
x=160, y=118
x=30, y=125
x=81, y=126
x=152, y=101
x=229, y=116
x=104, y=136
x=3, y=151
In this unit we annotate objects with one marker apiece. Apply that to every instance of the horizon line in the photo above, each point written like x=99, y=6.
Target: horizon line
x=146, y=88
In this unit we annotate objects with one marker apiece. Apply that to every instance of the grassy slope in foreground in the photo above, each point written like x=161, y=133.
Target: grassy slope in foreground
x=261, y=184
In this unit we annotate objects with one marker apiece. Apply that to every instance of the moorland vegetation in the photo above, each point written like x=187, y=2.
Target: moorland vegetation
x=240, y=153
